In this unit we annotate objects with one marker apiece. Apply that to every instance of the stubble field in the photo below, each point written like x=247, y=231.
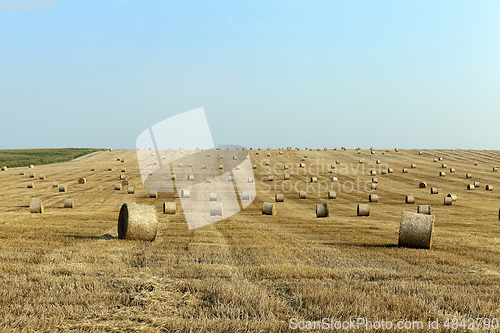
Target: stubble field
x=65, y=270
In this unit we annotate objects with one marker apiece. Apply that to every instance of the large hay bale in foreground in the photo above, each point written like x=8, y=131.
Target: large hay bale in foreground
x=489, y=187
x=36, y=207
x=82, y=181
x=137, y=222
x=279, y=197
x=68, y=203
x=424, y=209
x=322, y=210
x=416, y=230
x=216, y=209
x=363, y=210
x=4, y=168
x=169, y=208
x=269, y=208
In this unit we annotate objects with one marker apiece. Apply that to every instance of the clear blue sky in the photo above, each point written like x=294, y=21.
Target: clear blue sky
x=411, y=74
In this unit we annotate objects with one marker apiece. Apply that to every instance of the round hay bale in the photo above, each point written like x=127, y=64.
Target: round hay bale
x=329, y=170
x=190, y=165
x=203, y=166
x=169, y=208
x=337, y=162
x=495, y=169
x=269, y=208
x=268, y=155
x=285, y=167
x=383, y=172
x=383, y=153
x=424, y=209
x=130, y=190
x=410, y=199
x=374, y=186
x=302, y=165
x=173, y=177
x=280, y=153
x=360, y=162
x=42, y=176
x=212, y=197
x=82, y=181
x=302, y=195
x=373, y=173
x=92, y=168
x=448, y=201
x=124, y=170
x=36, y=207
x=190, y=177
x=137, y=222
x=476, y=164
x=245, y=196
x=373, y=152
x=286, y=177
x=208, y=180
x=434, y=190
x=416, y=230
x=220, y=167
x=374, y=180
x=153, y=194
x=470, y=187
x=476, y=184
x=420, y=152
x=468, y=175
x=489, y=188
x=55, y=183
x=31, y=166
x=373, y=198
x=4, y=168
x=250, y=179
x=216, y=209
x=452, y=170
x=125, y=182
x=313, y=179
x=21, y=173
x=396, y=150
x=422, y=185
x=279, y=197
x=359, y=152
x=363, y=210
x=442, y=174
x=405, y=170
x=32, y=175
x=266, y=163
x=68, y=203
x=413, y=166
x=110, y=168
x=390, y=170
x=123, y=161
x=452, y=196
x=254, y=166
x=440, y=158
x=322, y=210
x=31, y=185
x=118, y=187
x=270, y=178
x=63, y=188
x=332, y=195
x=434, y=160
x=377, y=162
x=185, y=193
x=444, y=166
x=333, y=179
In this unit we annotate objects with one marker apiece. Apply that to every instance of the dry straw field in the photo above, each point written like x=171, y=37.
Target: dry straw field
x=65, y=269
